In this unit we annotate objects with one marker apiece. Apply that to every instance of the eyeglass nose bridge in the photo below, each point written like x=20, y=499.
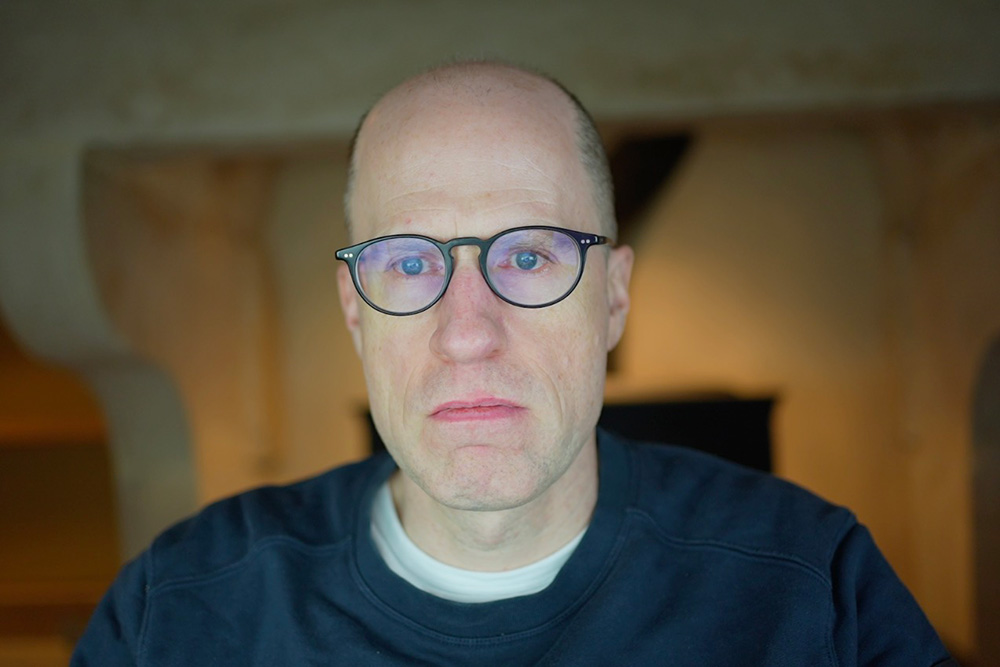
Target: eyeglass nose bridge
x=482, y=244
x=452, y=263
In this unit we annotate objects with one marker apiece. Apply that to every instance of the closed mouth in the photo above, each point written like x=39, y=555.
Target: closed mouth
x=476, y=410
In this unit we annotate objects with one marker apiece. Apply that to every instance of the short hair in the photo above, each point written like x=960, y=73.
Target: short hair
x=593, y=157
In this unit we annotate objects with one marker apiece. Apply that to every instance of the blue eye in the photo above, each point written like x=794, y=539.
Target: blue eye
x=526, y=260
x=411, y=266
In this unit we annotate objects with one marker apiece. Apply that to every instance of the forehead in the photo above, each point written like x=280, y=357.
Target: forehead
x=500, y=145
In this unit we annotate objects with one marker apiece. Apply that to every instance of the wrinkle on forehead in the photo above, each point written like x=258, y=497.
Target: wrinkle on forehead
x=530, y=165
x=470, y=185
x=537, y=195
x=455, y=172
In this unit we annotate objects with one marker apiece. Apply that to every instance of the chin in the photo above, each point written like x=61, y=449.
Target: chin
x=483, y=480
x=483, y=502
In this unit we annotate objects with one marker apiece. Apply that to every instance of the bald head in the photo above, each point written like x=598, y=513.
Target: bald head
x=517, y=96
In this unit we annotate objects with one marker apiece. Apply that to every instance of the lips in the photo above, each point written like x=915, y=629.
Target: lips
x=480, y=409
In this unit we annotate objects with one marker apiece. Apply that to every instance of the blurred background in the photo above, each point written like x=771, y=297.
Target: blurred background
x=812, y=189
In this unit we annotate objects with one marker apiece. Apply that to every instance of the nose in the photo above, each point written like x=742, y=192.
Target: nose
x=469, y=317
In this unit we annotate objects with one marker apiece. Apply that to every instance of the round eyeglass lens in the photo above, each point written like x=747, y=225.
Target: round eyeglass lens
x=534, y=267
x=401, y=275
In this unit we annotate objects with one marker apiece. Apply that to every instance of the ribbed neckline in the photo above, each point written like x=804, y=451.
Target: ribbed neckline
x=503, y=619
x=427, y=573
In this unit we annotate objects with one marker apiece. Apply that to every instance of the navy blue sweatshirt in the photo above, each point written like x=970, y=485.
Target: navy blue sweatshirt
x=688, y=560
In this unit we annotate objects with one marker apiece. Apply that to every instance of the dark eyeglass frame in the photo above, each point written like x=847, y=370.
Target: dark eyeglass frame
x=584, y=241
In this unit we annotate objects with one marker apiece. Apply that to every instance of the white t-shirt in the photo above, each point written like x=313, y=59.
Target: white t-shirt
x=452, y=583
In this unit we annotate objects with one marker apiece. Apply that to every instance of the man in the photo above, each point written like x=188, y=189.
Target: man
x=482, y=294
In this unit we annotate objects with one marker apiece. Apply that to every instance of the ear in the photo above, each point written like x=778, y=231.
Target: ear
x=619, y=274
x=349, y=304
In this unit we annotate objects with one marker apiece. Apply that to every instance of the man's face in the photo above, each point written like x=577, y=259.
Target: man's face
x=484, y=405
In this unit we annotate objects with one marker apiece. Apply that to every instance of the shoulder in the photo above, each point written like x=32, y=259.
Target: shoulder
x=313, y=513
x=695, y=498
x=713, y=509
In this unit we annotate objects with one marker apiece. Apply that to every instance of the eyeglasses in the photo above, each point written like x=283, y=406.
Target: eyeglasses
x=530, y=267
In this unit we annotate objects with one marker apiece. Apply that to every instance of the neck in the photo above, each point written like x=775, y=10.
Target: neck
x=505, y=539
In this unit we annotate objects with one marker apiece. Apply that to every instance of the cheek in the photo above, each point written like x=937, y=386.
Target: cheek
x=569, y=346
x=587, y=347
x=584, y=327
x=390, y=352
